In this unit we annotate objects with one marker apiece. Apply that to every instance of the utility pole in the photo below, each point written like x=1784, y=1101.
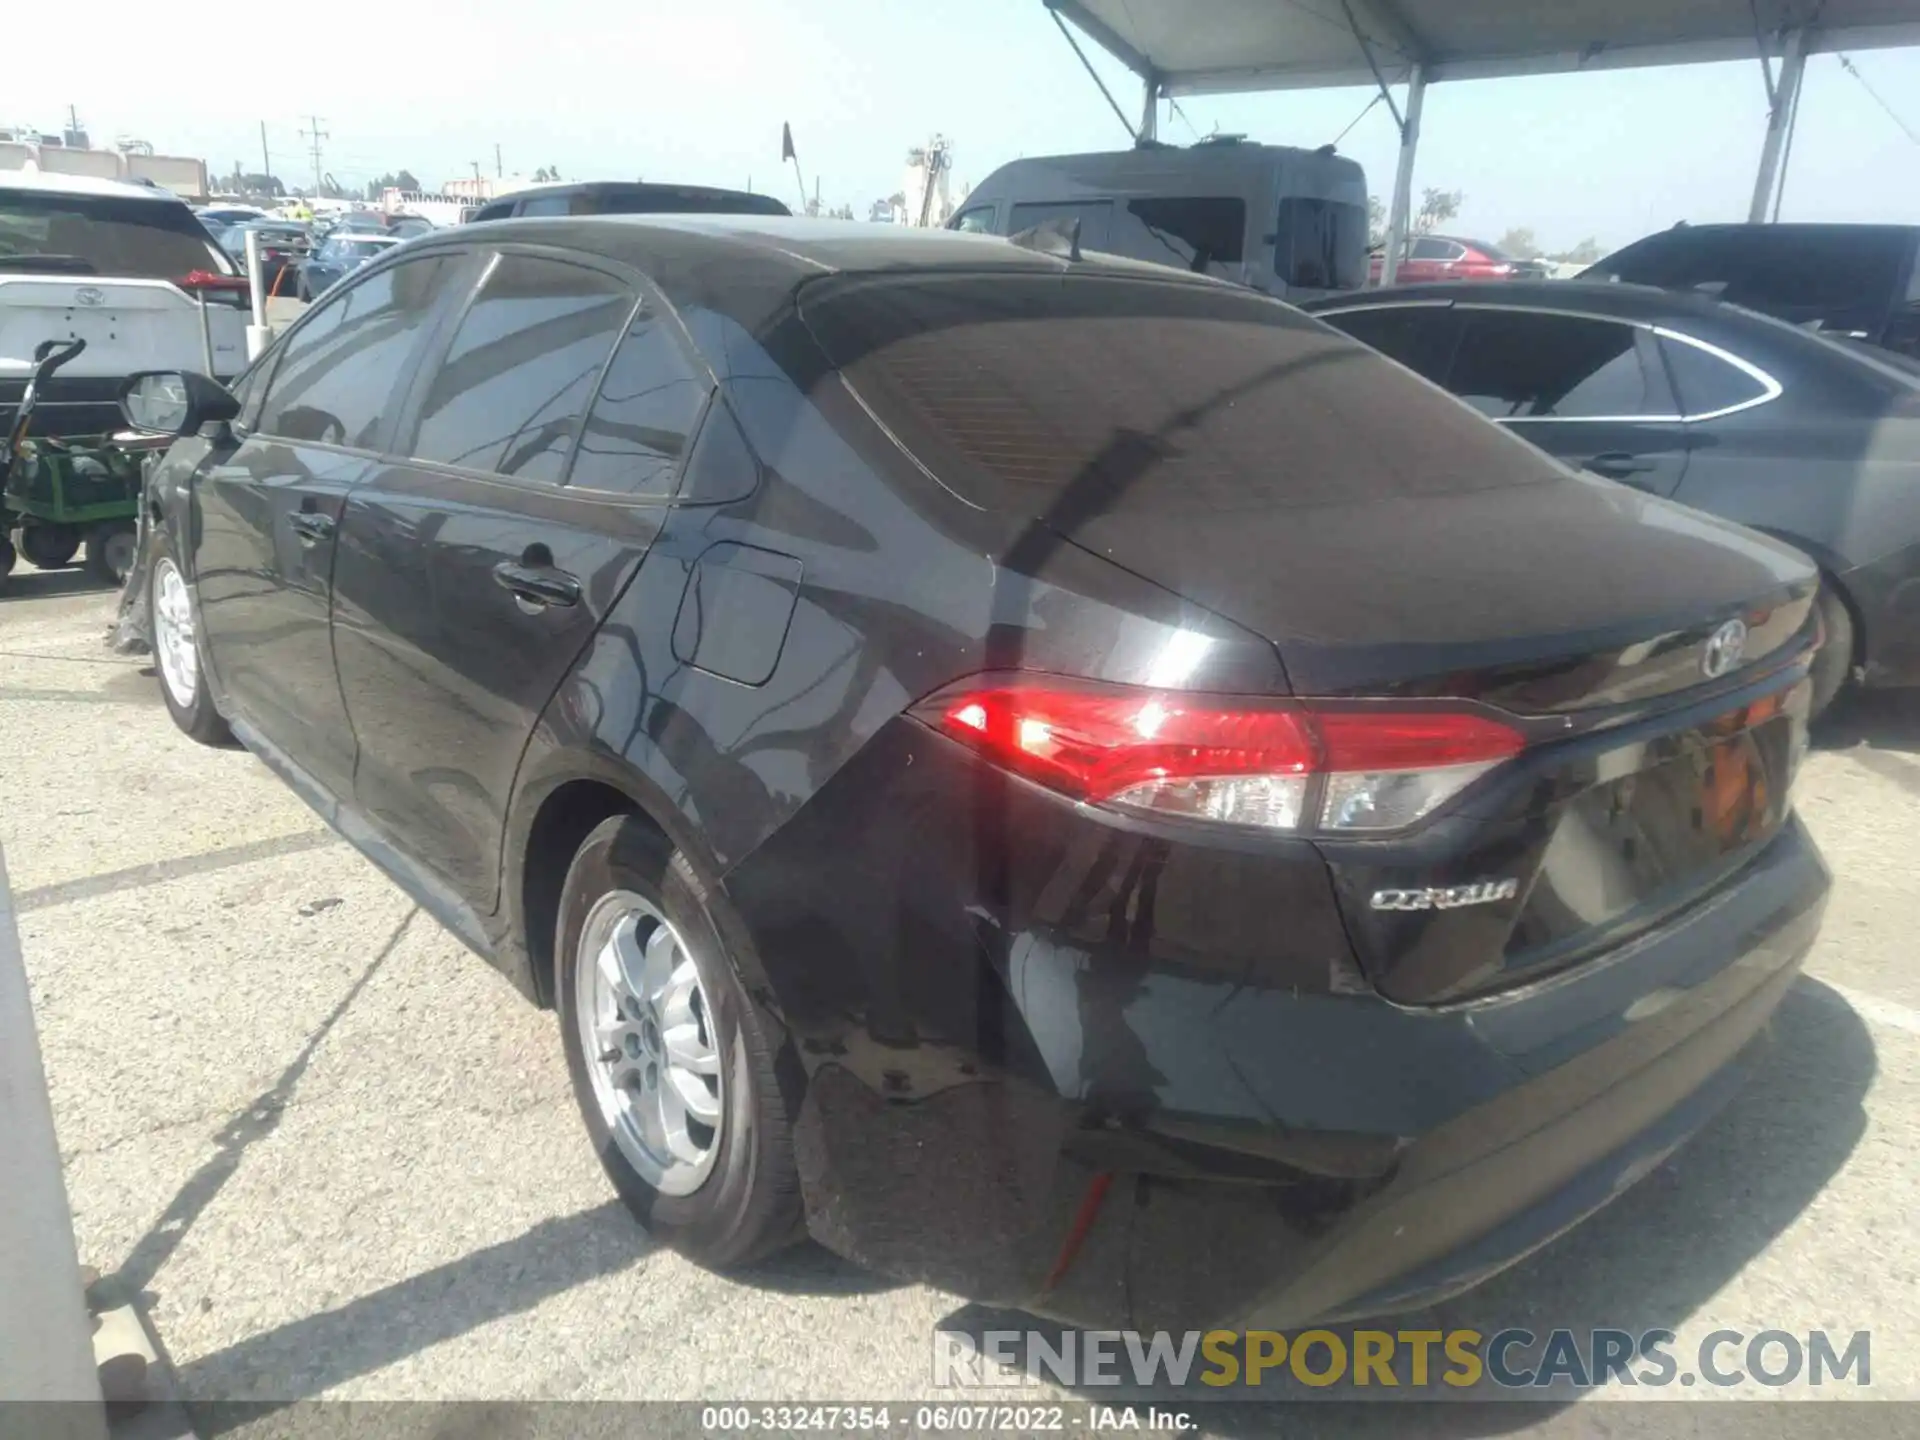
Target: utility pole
x=499, y=169
x=266, y=165
x=316, y=135
x=476, y=169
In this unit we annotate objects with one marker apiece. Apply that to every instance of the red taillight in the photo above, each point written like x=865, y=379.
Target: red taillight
x=1277, y=764
x=208, y=280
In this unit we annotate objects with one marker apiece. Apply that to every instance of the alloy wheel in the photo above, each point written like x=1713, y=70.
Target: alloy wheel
x=173, y=634
x=648, y=1035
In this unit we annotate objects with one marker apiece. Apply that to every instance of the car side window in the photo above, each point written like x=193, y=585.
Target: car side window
x=509, y=396
x=344, y=370
x=1704, y=382
x=647, y=407
x=1407, y=333
x=1425, y=247
x=977, y=221
x=1095, y=217
x=1522, y=365
x=546, y=205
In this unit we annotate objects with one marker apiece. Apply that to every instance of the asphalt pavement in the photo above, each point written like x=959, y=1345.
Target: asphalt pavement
x=337, y=1156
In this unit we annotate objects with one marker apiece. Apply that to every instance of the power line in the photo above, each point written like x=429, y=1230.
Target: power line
x=1906, y=129
x=1365, y=111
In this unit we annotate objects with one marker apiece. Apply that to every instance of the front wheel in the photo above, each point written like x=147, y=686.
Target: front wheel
x=175, y=626
x=1834, y=664
x=672, y=1062
x=110, y=551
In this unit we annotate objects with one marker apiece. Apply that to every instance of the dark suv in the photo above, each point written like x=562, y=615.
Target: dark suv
x=1069, y=780
x=1856, y=281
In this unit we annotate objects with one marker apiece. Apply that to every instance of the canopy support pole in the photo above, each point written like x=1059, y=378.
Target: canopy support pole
x=1400, y=214
x=1149, y=111
x=1784, y=94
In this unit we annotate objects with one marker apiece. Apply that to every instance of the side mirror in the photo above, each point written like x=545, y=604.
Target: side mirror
x=175, y=402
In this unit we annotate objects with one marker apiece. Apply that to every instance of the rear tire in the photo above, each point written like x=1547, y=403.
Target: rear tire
x=48, y=547
x=6, y=559
x=111, y=546
x=179, y=659
x=726, y=1194
x=1833, y=666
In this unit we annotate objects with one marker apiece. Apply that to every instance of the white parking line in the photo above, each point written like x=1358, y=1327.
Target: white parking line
x=1890, y=1014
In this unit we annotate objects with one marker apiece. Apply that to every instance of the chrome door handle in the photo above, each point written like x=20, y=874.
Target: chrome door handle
x=537, y=584
x=311, y=526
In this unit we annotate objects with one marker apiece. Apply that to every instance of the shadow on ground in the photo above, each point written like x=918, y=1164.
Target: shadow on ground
x=27, y=583
x=1875, y=719
x=1649, y=1261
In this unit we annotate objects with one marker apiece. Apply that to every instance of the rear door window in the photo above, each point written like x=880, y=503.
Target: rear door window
x=1524, y=365
x=1425, y=247
x=1095, y=217
x=647, y=407
x=103, y=235
x=1708, y=384
x=1321, y=244
x=977, y=221
x=342, y=373
x=1089, y=393
x=509, y=396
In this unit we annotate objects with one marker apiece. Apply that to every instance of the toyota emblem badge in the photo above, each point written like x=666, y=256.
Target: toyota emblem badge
x=1724, y=650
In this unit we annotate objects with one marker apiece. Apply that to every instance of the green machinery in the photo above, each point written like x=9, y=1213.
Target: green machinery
x=57, y=496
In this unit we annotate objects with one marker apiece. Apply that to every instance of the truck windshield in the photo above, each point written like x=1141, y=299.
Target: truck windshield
x=104, y=235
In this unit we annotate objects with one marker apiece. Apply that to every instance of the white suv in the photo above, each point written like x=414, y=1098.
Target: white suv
x=103, y=261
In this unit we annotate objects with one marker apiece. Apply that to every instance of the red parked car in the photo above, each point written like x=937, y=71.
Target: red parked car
x=1444, y=257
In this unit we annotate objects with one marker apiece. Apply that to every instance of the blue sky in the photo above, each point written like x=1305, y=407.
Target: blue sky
x=698, y=93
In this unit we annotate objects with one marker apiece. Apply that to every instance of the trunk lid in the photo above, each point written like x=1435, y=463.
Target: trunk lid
x=1393, y=544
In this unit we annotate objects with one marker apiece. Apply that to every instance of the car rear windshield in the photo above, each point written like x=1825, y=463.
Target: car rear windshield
x=1138, y=395
x=103, y=235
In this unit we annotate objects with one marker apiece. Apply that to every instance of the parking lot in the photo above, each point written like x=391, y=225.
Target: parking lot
x=337, y=1155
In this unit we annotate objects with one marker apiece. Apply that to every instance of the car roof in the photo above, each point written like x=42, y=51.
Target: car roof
x=804, y=248
x=1625, y=302
x=48, y=182
x=613, y=187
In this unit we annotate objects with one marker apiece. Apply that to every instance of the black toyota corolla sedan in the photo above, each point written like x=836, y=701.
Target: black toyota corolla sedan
x=1811, y=438
x=1067, y=780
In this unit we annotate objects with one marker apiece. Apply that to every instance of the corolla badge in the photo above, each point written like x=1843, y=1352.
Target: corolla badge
x=1724, y=649
x=89, y=295
x=1446, y=897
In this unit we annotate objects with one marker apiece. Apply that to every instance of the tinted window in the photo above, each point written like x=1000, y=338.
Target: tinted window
x=1407, y=333
x=343, y=370
x=547, y=205
x=647, y=407
x=1516, y=364
x=1093, y=216
x=1093, y=392
x=521, y=369
x=103, y=235
x=1425, y=247
x=1198, y=233
x=977, y=221
x=1321, y=244
x=1704, y=382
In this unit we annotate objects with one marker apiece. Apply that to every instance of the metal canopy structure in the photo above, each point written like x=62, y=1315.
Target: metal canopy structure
x=1200, y=47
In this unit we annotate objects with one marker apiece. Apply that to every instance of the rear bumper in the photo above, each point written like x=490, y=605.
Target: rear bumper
x=1284, y=1144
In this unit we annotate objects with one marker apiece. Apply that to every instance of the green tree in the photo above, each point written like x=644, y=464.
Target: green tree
x=1518, y=242
x=1436, y=208
x=397, y=180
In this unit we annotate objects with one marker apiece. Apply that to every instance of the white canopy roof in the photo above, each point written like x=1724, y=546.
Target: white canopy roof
x=1191, y=47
